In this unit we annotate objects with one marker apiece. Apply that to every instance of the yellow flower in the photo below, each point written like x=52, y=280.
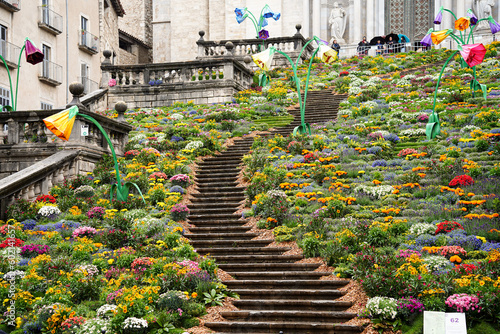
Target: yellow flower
x=439, y=36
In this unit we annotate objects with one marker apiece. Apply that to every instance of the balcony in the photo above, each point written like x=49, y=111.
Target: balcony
x=88, y=85
x=51, y=73
x=49, y=20
x=10, y=53
x=87, y=42
x=11, y=5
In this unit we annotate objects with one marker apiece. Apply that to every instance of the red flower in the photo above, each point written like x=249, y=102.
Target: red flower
x=462, y=180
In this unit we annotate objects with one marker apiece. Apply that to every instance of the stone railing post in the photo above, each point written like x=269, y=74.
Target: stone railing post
x=229, y=63
x=13, y=131
x=297, y=44
x=106, y=76
x=76, y=89
x=200, y=42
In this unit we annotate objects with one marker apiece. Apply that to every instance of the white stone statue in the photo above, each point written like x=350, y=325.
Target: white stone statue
x=482, y=9
x=337, y=22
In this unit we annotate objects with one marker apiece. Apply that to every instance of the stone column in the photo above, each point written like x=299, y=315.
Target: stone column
x=380, y=20
x=356, y=26
x=316, y=18
x=370, y=19
x=438, y=4
x=447, y=23
x=305, y=14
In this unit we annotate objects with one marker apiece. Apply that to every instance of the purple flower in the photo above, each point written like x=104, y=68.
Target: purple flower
x=263, y=34
x=473, y=18
x=439, y=16
x=33, y=54
x=494, y=26
x=427, y=40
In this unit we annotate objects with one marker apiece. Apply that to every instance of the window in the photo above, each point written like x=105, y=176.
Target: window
x=84, y=27
x=45, y=12
x=3, y=41
x=4, y=97
x=46, y=60
x=85, y=77
x=46, y=106
x=125, y=46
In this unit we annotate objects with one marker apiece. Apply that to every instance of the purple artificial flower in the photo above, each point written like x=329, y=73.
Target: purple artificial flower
x=494, y=26
x=439, y=16
x=427, y=40
x=263, y=34
x=473, y=18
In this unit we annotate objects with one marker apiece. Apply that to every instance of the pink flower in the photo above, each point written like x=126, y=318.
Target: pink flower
x=473, y=54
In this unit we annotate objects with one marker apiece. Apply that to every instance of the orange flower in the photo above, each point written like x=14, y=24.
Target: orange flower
x=61, y=123
x=455, y=258
x=462, y=23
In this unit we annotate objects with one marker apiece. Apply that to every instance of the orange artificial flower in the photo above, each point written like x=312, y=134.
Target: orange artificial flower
x=439, y=36
x=61, y=123
x=462, y=23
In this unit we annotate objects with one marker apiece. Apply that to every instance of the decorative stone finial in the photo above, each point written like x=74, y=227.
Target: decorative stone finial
x=201, y=33
x=76, y=89
x=107, y=56
x=298, y=27
x=229, y=47
x=121, y=107
x=247, y=59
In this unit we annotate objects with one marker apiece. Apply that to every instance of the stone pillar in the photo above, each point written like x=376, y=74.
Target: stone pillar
x=380, y=22
x=356, y=26
x=106, y=76
x=447, y=23
x=437, y=6
x=370, y=19
x=316, y=18
x=305, y=14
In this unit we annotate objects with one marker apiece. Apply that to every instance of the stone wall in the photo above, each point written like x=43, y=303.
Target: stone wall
x=158, y=96
x=127, y=58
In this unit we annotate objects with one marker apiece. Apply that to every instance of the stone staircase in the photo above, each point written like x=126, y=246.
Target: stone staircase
x=276, y=293
x=321, y=106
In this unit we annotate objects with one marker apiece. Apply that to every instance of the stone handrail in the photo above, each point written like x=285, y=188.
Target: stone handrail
x=38, y=178
x=177, y=73
x=26, y=127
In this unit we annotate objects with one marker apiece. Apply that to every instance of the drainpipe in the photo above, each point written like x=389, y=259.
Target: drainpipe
x=67, y=53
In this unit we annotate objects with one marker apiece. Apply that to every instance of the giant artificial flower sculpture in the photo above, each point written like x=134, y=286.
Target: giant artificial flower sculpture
x=264, y=61
x=472, y=54
x=33, y=56
x=265, y=13
x=61, y=125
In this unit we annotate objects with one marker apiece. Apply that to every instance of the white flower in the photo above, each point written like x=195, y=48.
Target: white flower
x=195, y=144
x=94, y=326
x=105, y=309
x=422, y=228
x=177, y=116
x=48, y=211
x=135, y=323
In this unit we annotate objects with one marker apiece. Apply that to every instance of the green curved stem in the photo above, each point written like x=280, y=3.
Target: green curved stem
x=10, y=81
x=115, y=160
x=255, y=23
x=439, y=79
x=457, y=39
x=17, y=80
x=449, y=11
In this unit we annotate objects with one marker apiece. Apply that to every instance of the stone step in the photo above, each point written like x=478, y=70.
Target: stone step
x=218, y=223
x=217, y=160
x=285, y=284
x=203, y=198
x=220, y=252
x=229, y=243
x=220, y=236
x=279, y=275
x=226, y=175
x=254, y=267
x=213, y=211
x=223, y=189
x=218, y=167
x=214, y=217
x=306, y=305
x=215, y=204
x=285, y=327
x=289, y=316
x=216, y=185
x=307, y=294
x=220, y=229
x=253, y=260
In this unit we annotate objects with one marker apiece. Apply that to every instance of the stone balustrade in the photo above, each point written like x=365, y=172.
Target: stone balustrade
x=38, y=178
x=212, y=80
x=246, y=47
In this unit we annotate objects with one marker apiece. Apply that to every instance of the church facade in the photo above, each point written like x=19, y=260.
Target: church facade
x=176, y=23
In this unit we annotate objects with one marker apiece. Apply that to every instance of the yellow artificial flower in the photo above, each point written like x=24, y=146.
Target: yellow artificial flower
x=61, y=123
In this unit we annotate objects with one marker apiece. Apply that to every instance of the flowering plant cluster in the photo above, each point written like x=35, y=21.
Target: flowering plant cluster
x=448, y=226
x=33, y=250
x=463, y=302
x=461, y=180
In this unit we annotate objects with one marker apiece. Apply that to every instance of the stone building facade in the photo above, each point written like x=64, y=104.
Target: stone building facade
x=71, y=34
x=175, y=23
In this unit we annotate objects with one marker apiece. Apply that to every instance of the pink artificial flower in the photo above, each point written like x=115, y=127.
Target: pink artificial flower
x=473, y=54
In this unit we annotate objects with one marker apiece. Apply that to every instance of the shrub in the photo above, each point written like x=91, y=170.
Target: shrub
x=179, y=212
x=461, y=180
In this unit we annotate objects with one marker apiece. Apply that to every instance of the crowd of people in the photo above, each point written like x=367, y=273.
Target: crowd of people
x=382, y=44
